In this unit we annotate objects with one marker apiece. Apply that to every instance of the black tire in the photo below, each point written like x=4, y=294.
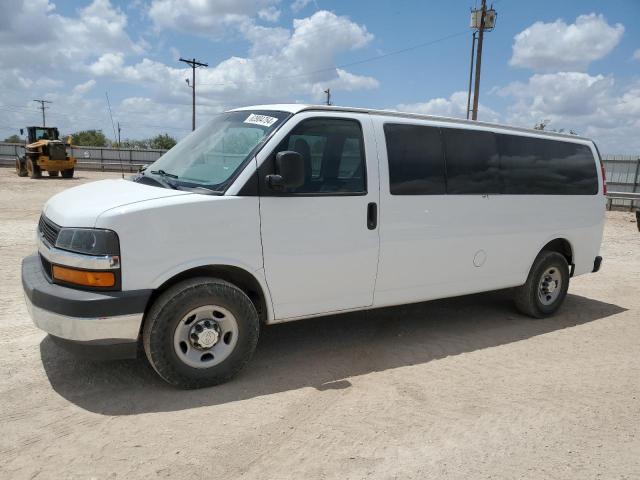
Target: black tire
x=68, y=173
x=21, y=169
x=529, y=297
x=53, y=173
x=33, y=170
x=168, y=311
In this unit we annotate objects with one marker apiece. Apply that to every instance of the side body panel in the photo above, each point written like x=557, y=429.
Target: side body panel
x=435, y=246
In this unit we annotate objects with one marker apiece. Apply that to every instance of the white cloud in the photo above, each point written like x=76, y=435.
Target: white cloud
x=69, y=55
x=269, y=14
x=35, y=32
x=44, y=54
x=636, y=54
x=299, y=5
x=107, y=64
x=207, y=17
x=455, y=106
x=282, y=65
x=591, y=105
x=559, y=46
x=83, y=88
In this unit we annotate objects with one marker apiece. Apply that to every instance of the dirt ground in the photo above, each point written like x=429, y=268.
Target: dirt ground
x=462, y=388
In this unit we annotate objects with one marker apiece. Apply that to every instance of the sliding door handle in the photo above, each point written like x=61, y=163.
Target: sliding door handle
x=372, y=216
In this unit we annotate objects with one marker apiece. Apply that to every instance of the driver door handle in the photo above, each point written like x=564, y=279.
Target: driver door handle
x=372, y=216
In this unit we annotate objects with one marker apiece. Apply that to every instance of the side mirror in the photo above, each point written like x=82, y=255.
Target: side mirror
x=21, y=131
x=290, y=168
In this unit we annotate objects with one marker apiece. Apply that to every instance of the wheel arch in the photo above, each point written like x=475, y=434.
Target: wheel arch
x=563, y=246
x=241, y=278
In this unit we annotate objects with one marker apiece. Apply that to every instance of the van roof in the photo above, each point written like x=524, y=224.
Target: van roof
x=299, y=107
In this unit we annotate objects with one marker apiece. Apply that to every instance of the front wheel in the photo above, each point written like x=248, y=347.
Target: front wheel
x=33, y=169
x=68, y=173
x=200, y=332
x=546, y=286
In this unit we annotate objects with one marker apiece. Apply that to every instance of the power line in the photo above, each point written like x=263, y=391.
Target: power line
x=351, y=64
x=106, y=94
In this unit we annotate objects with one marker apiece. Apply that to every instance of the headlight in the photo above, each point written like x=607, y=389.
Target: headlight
x=88, y=240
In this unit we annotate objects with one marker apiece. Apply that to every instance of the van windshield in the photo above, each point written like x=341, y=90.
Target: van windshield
x=210, y=156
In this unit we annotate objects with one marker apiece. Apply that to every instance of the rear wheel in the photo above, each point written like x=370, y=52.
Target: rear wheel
x=53, y=173
x=68, y=173
x=21, y=168
x=33, y=170
x=200, y=332
x=546, y=286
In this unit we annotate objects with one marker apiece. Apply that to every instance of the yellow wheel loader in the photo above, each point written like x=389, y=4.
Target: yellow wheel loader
x=45, y=152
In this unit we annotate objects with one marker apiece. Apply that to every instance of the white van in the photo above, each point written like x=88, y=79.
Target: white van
x=275, y=213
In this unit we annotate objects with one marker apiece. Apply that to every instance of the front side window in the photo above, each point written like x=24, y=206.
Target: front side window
x=333, y=154
x=211, y=156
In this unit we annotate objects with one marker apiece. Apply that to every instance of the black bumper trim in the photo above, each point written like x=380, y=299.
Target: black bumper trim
x=98, y=350
x=77, y=303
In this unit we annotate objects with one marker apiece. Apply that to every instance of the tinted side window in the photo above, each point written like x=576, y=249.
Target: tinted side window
x=473, y=164
x=333, y=151
x=416, y=160
x=524, y=162
x=575, y=168
x=538, y=166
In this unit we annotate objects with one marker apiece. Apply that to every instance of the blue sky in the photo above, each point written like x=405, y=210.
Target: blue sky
x=573, y=63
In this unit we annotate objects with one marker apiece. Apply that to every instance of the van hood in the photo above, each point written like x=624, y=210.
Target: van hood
x=80, y=206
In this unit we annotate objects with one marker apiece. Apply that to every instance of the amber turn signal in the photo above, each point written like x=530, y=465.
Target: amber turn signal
x=84, y=277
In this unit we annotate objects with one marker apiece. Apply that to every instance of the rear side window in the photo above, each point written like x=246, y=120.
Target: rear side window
x=538, y=166
x=473, y=163
x=416, y=160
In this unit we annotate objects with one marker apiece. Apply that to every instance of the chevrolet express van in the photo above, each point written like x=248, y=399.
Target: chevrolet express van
x=282, y=212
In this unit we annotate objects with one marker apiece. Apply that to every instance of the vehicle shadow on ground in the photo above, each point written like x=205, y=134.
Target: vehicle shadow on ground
x=322, y=353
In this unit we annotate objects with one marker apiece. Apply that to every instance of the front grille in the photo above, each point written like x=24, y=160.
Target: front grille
x=46, y=267
x=48, y=229
x=57, y=151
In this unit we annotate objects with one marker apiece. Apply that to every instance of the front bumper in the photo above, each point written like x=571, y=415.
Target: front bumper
x=87, y=317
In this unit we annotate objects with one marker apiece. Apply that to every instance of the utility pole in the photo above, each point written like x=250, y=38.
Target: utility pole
x=328, y=92
x=481, y=20
x=119, y=145
x=473, y=51
x=193, y=63
x=42, y=107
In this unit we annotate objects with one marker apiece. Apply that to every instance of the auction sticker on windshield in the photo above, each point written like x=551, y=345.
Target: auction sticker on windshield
x=263, y=120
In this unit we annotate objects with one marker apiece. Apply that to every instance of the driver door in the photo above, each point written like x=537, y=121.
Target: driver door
x=320, y=241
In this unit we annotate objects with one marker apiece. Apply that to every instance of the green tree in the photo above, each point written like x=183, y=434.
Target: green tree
x=14, y=139
x=163, y=141
x=89, y=138
x=135, y=144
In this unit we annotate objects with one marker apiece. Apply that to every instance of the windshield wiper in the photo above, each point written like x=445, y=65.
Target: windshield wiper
x=164, y=175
